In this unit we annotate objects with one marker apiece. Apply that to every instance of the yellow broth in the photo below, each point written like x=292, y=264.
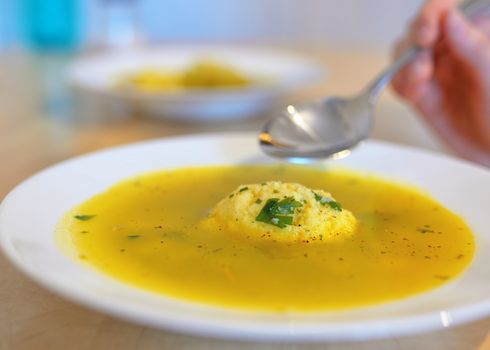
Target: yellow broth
x=145, y=231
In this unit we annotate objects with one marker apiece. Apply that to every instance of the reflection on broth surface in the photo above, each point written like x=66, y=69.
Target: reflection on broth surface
x=147, y=231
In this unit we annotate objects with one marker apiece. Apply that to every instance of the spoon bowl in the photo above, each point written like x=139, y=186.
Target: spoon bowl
x=322, y=129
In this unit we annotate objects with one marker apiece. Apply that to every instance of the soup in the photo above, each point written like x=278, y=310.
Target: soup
x=147, y=232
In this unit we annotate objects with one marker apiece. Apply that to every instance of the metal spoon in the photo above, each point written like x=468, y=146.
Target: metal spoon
x=332, y=127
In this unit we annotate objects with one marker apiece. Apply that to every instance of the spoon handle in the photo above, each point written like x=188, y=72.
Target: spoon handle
x=468, y=8
x=473, y=7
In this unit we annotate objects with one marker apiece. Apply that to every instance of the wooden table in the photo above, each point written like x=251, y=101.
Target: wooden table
x=40, y=126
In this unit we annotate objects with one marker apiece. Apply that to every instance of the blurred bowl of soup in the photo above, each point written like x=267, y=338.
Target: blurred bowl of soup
x=197, y=83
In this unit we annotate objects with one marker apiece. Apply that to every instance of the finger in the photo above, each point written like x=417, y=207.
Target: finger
x=425, y=29
x=472, y=47
x=410, y=82
x=483, y=23
x=467, y=42
x=450, y=129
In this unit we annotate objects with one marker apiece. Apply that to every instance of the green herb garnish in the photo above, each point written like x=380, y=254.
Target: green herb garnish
x=279, y=212
x=288, y=205
x=133, y=236
x=335, y=205
x=328, y=201
x=84, y=217
x=243, y=189
x=258, y=201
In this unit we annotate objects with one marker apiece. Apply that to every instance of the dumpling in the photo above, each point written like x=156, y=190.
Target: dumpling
x=283, y=212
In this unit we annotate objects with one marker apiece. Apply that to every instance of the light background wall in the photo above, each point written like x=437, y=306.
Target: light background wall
x=317, y=22
x=324, y=23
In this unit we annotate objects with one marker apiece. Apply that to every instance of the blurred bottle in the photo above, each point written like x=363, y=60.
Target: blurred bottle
x=51, y=25
x=6, y=25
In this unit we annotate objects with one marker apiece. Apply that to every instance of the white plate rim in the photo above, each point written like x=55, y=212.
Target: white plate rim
x=287, y=330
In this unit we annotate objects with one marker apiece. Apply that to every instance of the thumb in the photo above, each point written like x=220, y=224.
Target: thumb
x=466, y=41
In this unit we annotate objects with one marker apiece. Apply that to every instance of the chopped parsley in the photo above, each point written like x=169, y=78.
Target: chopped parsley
x=84, y=217
x=133, y=236
x=258, y=201
x=243, y=189
x=335, y=205
x=288, y=205
x=327, y=201
x=279, y=212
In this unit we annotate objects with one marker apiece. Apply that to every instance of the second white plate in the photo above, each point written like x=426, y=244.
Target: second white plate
x=288, y=73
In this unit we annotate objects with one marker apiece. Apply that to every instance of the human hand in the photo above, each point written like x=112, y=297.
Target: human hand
x=449, y=83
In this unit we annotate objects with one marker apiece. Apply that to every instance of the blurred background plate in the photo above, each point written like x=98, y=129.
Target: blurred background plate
x=283, y=73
